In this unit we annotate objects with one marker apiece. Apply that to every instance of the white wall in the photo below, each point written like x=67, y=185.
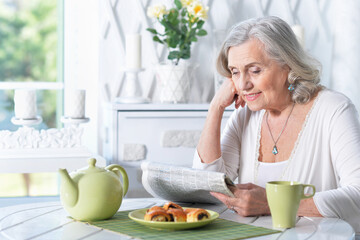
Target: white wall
x=81, y=46
x=346, y=50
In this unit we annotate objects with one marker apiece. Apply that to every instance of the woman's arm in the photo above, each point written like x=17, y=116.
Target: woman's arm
x=209, y=144
x=343, y=202
x=308, y=208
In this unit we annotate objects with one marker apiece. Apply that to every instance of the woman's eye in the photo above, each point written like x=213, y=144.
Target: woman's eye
x=255, y=70
x=234, y=73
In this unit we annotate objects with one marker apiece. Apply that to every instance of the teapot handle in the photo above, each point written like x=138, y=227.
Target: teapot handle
x=123, y=173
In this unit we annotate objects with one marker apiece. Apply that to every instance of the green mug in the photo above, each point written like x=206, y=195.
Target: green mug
x=284, y=199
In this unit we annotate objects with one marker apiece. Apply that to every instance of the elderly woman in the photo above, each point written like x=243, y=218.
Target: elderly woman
x=289, y=127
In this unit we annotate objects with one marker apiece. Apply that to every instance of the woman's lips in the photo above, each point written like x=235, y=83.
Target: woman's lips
x=252, y=97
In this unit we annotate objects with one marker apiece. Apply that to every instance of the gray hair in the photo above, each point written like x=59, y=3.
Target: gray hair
x=281, y=45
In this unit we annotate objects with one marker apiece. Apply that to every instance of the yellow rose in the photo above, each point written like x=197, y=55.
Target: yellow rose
x=156, y=11
x=186, y=3
x=198, y=10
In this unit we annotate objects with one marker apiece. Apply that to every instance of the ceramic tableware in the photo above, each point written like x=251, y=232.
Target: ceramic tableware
x=93, y=193
x=138, y=216
x=284, y=199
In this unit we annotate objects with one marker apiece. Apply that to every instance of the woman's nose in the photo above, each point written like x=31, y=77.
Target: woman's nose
x=244, y=83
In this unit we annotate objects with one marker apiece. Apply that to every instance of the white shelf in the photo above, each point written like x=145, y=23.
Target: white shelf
x=163, y=107
x=48, y=160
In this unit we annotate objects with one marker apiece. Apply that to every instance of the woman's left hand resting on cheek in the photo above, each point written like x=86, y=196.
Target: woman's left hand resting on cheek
x=249, y=200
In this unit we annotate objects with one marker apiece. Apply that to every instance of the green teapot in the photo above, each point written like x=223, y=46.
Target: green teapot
x=93, y=193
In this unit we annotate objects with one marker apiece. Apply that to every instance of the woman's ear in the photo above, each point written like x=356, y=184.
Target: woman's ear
x=286, y=67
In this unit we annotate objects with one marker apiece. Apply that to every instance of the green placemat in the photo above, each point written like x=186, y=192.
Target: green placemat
x=219, y=229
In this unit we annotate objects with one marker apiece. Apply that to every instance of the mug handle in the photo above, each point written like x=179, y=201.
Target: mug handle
x=123, y=173
x=303, y=196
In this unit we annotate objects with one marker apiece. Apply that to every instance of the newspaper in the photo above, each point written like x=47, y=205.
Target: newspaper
x=182, y=184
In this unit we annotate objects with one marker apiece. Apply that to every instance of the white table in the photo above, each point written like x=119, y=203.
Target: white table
x=49, y=221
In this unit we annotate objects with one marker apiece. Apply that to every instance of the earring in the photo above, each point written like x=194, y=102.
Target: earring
x=292, y=77
x=291, y=87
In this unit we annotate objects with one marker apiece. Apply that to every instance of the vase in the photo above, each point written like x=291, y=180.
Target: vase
x=174, y=82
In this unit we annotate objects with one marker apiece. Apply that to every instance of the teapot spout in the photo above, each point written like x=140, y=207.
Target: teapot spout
x=69, y=189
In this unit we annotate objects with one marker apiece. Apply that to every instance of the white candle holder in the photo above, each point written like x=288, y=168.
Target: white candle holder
x=26, y=121
x=73, y=121
x=132, y=93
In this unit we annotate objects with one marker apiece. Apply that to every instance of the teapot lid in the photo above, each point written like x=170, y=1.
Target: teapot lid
x=92, y=168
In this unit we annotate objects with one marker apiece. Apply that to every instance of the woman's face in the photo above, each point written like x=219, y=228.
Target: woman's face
x=261, y=81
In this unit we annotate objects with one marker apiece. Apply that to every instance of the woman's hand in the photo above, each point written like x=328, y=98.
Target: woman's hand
x=249, y=200
x=227, y=94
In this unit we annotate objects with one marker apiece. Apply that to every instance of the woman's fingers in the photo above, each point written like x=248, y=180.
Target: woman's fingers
x=234, y=204
x=239, y=101
x=246, y=186
x=228, y=201
x=249, y=200
x=227, y=93
x=243, y=104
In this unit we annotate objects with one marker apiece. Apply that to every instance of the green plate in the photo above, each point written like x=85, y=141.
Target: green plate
x=138, y=216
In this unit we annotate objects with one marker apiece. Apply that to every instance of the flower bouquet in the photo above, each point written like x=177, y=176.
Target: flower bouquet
x=181, y=26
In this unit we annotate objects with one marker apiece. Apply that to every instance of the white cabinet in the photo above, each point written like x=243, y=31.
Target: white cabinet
x=166, y=133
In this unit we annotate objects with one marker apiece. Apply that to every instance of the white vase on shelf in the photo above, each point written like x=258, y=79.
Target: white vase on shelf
x=174, y=82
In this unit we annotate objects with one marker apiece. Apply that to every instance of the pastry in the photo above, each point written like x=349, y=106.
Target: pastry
x=157, y=216
x=177, y=215
x=172, y=212
x=196, y=215
x=169, y=205
x=188, y=210
x=155, y=208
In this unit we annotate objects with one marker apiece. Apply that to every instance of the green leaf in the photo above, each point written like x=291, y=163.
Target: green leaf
x=174, y=55
x=185, y=54
x=178, y=4
x=157, y=39
x=173, y=14
x=170, y=27
x=200, y=24
x=183, y=12
x=173, y=40
x=152, y=30
x=176, y=22
x=201, y=32
x=194, y=39
x=184, y=29
x=192, y=33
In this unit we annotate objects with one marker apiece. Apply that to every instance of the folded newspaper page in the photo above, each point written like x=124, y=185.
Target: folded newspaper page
x=182, y=184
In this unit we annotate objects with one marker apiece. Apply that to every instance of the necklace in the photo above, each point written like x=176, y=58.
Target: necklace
x=275, y=150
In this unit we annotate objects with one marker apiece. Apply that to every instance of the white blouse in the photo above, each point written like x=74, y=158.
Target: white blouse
x=270, y=172
x=326, y=154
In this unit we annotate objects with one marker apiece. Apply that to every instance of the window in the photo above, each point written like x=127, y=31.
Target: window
x=31, y=56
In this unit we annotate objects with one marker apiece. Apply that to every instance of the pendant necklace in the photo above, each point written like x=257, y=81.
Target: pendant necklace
x=275, y=150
